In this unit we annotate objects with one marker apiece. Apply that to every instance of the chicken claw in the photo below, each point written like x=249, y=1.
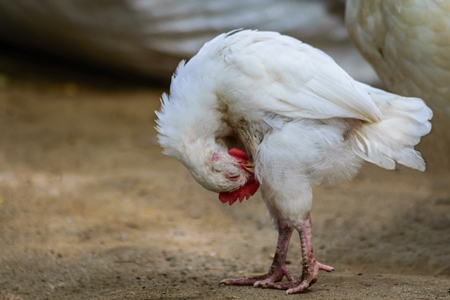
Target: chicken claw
x=309, y=277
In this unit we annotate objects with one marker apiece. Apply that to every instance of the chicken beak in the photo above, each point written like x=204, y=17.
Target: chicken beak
x=249, y=167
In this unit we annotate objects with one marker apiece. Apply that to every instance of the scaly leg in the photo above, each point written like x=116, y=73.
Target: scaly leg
x=311, y=267
x=278, y=269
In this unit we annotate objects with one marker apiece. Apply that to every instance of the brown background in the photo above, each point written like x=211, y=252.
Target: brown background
x=91, y=209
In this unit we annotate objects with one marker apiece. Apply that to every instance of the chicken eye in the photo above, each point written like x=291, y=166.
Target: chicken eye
x=233, y=174
x=216, y=168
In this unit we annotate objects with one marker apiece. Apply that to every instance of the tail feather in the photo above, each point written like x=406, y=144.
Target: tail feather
x=405, y=120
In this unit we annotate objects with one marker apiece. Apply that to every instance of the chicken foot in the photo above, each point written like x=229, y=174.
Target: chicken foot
x=311, y=267
x=278, y=268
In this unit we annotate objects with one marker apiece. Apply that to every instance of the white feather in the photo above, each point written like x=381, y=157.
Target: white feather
x=302, y=119
x=392, y=139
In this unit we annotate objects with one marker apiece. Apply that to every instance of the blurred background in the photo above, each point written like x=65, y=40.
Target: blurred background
x=91, y=209
x=147, y=39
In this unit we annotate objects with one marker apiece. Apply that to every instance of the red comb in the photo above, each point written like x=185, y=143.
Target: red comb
x=244, y=192
x=238, y=154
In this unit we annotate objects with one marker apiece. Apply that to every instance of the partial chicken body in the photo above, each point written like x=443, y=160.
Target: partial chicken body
x=302, y=121
x=408, y=44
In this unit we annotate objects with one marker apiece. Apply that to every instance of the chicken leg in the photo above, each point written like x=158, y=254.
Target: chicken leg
x=311, y=267
x=278, y=268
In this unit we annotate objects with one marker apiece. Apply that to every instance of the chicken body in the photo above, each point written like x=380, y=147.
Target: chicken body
x=302, y=121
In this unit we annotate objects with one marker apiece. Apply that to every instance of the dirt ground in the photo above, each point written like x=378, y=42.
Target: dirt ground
x=91, y=209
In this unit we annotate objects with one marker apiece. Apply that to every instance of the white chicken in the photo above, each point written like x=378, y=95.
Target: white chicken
x=301, y=122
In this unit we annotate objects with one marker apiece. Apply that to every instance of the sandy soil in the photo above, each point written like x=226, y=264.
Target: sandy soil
x=91, y=209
